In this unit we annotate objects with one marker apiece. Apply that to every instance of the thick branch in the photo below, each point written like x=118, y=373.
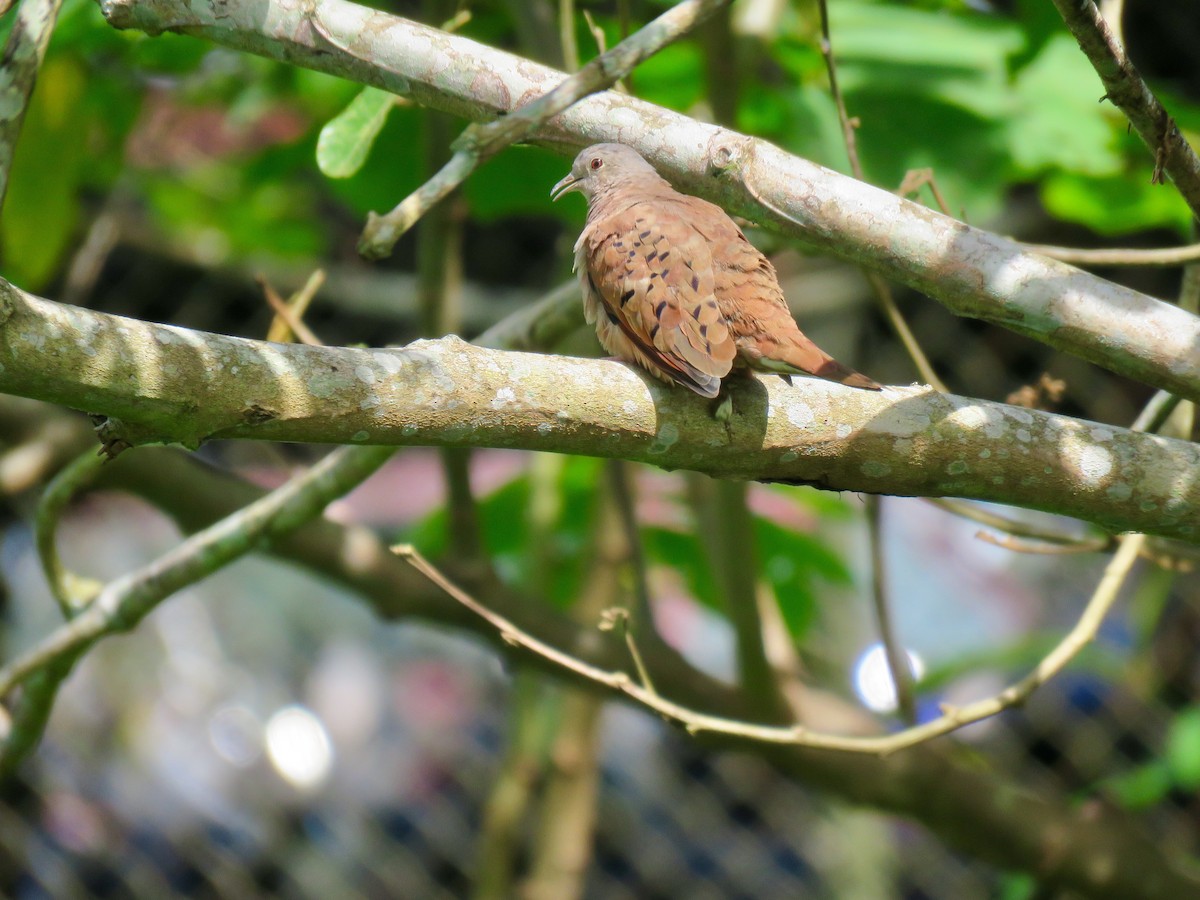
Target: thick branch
x=973, y=272
x=164, y=383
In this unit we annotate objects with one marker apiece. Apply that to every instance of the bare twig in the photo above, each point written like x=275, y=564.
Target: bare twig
x=541, y=326
x=620, y=476
x=479, y=142
x=695, y=722
x=289, y=314
x=883, y=291
x=1043, y=548
x=893, y=649
x=1019, y=528
x=23, y=55
x=915, y=179
x=1159, y=256
x=87, y=262
x=71, y=591
x=1173, y=155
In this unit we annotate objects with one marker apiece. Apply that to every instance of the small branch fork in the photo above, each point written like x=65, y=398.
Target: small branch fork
x=695, y=722
x=480, y=141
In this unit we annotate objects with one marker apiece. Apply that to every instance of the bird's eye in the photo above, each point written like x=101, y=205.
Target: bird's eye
x=597, y=162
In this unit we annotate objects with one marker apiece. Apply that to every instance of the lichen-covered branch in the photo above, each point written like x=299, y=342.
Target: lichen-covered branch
x=164, y=383
x=973, y=272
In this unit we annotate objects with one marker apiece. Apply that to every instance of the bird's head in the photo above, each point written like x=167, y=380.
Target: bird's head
x=601, y=168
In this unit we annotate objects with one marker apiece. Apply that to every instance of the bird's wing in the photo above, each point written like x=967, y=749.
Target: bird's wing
x=752, y=302
x=653, y=274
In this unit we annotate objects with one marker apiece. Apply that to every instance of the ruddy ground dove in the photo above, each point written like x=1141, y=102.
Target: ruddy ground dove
x=672, y=284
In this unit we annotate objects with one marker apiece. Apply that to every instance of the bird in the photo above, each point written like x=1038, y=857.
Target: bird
x=673, y=285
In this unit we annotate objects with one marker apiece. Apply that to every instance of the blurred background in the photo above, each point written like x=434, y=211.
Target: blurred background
x=265, y=733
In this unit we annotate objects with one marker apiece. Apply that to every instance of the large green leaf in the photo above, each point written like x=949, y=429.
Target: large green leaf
x=41, y=212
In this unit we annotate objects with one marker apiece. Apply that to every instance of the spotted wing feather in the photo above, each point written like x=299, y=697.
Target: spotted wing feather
x=648, y=282
x=752, y=302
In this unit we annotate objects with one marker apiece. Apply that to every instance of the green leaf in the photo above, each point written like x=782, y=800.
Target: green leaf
x=1058, y=123
x=932, y=90
x=960, y=59
x=1116, y=204
x=392, y=171
x=347, y=138
x=42, y=209
x=1183, y=749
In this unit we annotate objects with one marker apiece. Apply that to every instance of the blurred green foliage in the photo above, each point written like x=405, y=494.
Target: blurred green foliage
x=798, y=563
x=190, y=134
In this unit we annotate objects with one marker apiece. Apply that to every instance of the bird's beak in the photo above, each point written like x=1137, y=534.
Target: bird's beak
x=564, y=187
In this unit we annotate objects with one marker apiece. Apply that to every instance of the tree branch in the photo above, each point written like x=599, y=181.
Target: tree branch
x=165, y=383
x=481, y=141
x=973, y=272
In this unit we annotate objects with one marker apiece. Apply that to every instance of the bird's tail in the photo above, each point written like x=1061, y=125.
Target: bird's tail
x=803, y=357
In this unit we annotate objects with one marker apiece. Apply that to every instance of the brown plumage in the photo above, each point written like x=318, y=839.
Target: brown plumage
x=672, y=284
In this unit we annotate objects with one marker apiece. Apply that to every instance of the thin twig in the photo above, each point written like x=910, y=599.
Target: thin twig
x=893, y=649
x=1123, y=256
x=695, y=722
x=289, y=314
x=540, y=326
x=882, y=289
x=618, y=619
x=620, y=475
x=915, y=179
x=480, y=141
x=1042, y=548
x=71, y=591
x=1019, y=528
